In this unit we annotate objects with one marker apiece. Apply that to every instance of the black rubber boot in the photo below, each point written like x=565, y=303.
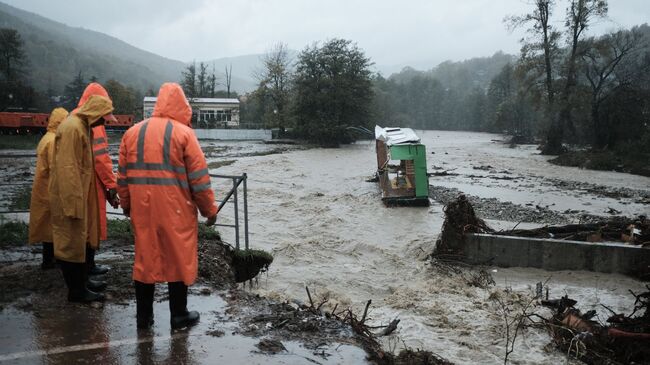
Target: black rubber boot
x=144, y=304
x=67, y=274
x=77, y=291
x=48, y=256
x=96, y=285
x=92, y=268
x=180, y=317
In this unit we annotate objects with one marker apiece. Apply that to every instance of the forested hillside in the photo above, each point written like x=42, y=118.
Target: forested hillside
x=57, y=53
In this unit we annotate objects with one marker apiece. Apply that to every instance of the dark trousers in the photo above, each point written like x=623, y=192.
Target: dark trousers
x=49, y=262
x=144, y=299
x=90, y=258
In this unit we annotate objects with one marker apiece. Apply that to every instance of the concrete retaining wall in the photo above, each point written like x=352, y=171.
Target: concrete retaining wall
x=234, y=134
x=550, y=254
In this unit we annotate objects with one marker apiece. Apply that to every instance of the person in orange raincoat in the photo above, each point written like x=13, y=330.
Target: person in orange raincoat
x=73, y=199
x=40, y=221
x=162, y=181
x=105, y=178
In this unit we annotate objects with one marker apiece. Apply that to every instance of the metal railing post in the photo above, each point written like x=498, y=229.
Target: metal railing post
x=245, y=211
x=234, y=186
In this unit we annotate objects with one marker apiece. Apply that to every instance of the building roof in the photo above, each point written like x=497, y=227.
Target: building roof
x=393, y=136
x=152, y=99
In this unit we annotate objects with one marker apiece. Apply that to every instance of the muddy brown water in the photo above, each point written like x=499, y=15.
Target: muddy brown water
x=328, y=230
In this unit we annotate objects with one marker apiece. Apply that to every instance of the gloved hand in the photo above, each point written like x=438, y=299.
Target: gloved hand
x=113, y=199
x=127, y=212
x=211, y=220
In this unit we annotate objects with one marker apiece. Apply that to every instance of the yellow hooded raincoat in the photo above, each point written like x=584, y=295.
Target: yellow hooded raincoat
x=75, y=212
x=40, y=222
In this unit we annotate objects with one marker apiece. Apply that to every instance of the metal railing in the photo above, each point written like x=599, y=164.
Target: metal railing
x=237, y=180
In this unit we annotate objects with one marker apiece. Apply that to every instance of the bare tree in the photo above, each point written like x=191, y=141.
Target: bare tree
x=544, y=40
x=202, y=80
x=580, y=15
x=212, y=82
x=228, y=78
x=274, y=83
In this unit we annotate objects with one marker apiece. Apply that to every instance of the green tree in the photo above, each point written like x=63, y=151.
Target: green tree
x=188, y=81
x=333, y=91
x=126, y=100
x=604, y=67
x=12, y=55
x=15, y=92
x=73, y=91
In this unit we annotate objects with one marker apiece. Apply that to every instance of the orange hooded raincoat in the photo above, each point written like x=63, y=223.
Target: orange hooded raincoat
x=73, y=195
x=162, y=180
x=104, y=175
x=40, y=221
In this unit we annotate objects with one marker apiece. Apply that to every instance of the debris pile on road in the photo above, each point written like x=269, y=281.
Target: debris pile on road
x=625, y=339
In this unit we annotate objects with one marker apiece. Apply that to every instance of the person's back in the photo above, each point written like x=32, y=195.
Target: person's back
x=162, y=180
x=40, y=221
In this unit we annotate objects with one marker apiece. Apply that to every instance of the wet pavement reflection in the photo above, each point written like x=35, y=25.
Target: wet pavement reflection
x=59, y=333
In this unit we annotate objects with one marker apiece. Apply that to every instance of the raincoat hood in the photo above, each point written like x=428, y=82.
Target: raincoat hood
x=94, y=109
x=92, y=89
x=57, y=116
x=173, y=104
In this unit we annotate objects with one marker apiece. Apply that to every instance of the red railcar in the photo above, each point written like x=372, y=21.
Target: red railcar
x=36, y=123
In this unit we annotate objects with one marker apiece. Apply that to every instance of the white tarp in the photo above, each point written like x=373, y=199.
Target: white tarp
x=393, y=136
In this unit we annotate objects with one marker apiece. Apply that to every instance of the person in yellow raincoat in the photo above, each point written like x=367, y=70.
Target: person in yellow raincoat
x=163, y=184
x=40, y=222
x=106, y=180
x=73, y=196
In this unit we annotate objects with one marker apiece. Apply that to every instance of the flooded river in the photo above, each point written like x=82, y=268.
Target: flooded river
x=328, y=230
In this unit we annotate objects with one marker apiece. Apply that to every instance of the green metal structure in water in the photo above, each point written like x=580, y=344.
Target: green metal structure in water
x=401, y=167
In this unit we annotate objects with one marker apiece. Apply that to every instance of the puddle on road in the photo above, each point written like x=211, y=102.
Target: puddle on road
x=108, y=335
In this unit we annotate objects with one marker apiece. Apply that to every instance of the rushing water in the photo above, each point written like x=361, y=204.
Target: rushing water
x=328, y=230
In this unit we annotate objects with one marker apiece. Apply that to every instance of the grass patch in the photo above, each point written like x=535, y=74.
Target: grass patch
x=208, y=233
x=13, y=233
x=247, y=264
x=19, y=142
x=217, y=164
x=22, y=199
x=119, y=229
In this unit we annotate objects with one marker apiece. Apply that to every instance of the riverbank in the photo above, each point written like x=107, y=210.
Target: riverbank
x=637, y=163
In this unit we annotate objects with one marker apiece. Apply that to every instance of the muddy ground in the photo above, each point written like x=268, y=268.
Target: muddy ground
x=38, y=293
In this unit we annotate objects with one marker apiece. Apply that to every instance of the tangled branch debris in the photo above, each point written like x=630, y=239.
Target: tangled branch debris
x=460, y=218
x=368, y=339
x=631, y=231
x=624, y=340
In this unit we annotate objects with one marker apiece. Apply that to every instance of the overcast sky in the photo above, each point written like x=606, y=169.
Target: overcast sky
x=420, y=33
